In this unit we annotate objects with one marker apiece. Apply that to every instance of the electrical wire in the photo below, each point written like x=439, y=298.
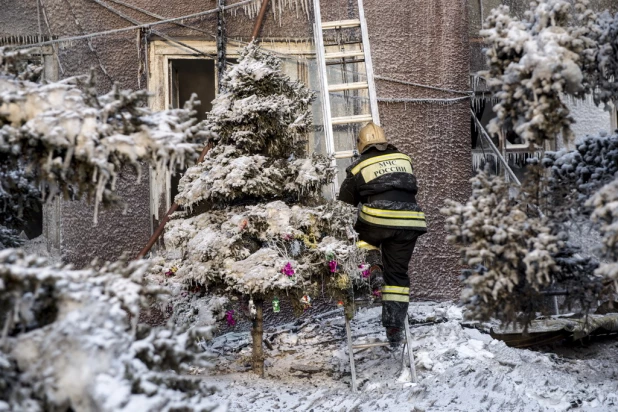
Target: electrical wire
x=125, y=29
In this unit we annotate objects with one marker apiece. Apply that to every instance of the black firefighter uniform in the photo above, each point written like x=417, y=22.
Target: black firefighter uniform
x=382, y=184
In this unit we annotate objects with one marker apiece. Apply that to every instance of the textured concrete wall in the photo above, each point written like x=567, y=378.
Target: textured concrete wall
x=428, y=47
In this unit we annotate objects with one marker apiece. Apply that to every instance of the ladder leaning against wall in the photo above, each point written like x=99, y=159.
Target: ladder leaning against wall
x=343, y=58
x=350, y=57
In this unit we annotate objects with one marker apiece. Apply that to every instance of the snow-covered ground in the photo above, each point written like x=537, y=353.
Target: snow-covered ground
x=459, y=369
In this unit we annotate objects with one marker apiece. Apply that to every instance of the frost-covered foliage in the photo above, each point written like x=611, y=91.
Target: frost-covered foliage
x=556, y=49
x=258, y=126
x=605, y=204
x=74, y=142
x=9, y=238
x=20, y=199
x=71, y=342
x=518, y=248
x=514, y=254
x=244, y=249
x=577, y=174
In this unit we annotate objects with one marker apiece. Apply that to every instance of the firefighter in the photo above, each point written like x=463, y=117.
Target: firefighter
x=382, y=184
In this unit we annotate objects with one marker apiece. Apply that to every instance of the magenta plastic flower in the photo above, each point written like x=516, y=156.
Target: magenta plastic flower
x=288, y=270
x=229, y=317
x=332, y=265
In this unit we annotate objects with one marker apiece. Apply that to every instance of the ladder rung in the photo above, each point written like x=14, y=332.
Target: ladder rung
x=327, y=25
x=348, y=86
x=352, y=119
x=370, y=345
x=345, y=54
x=347, y=62
x=344, y=154
x=343, y=43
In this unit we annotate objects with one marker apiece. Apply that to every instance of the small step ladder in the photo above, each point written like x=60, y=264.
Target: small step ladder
x=351, y=348
x=324, y=59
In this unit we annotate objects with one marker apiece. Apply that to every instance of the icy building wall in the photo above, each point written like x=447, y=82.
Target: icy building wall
x=427, y=44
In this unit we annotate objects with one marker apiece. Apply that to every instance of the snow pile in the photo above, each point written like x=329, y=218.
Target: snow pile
x=557, y=48
x=71, y=341
x=69, y=139
x=459, y=369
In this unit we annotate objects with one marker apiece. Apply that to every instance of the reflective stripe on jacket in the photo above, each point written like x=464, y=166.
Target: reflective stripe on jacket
x=383, y=184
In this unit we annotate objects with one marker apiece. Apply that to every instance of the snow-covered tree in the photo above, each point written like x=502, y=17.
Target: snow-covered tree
x=61, y=138
x=514, y=254
x=70, y=339
x=254, y=222
x=517, y=248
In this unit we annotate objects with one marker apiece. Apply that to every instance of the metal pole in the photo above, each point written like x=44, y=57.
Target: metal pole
x=260, y=18
x=410, y=354
x=495, y=149
x=351, y=352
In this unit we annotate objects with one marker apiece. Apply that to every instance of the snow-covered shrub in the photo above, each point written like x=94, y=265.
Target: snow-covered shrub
x=605, y=204
x=71, y=341
x=577, y=174
x=518, y=248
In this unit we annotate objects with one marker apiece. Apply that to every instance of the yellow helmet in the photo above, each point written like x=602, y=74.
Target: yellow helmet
x=370, y=134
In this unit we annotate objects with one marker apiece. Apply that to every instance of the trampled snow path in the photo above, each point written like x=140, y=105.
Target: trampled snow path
x=459, y=369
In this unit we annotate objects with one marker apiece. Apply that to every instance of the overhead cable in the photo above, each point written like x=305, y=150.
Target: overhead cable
x=125, y=29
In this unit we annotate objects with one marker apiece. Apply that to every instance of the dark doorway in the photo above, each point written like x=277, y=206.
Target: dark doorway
x=193, y=76
x=189, y=76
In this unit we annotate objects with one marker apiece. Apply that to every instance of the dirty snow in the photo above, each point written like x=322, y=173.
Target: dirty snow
x=459, y=369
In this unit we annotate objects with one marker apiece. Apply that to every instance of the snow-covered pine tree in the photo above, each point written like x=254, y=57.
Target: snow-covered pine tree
x=558, y=49
x=70, y=339
x=254, y=221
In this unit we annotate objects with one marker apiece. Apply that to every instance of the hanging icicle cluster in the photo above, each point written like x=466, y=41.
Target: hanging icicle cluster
x=301, y=7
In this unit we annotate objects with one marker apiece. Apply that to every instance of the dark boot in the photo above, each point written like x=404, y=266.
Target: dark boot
x=394, y=336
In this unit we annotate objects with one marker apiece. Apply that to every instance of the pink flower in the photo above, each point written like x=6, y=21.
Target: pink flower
x=377, y=293
x=365, y=272
x=288, y=270
x=332, y=265
x=229, y=317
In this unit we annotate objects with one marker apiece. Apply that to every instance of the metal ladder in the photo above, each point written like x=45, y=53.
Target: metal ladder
x=324, y=59
x=351, y=348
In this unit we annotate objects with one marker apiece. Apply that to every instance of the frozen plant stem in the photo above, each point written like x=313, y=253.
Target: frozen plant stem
x=257, y=333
